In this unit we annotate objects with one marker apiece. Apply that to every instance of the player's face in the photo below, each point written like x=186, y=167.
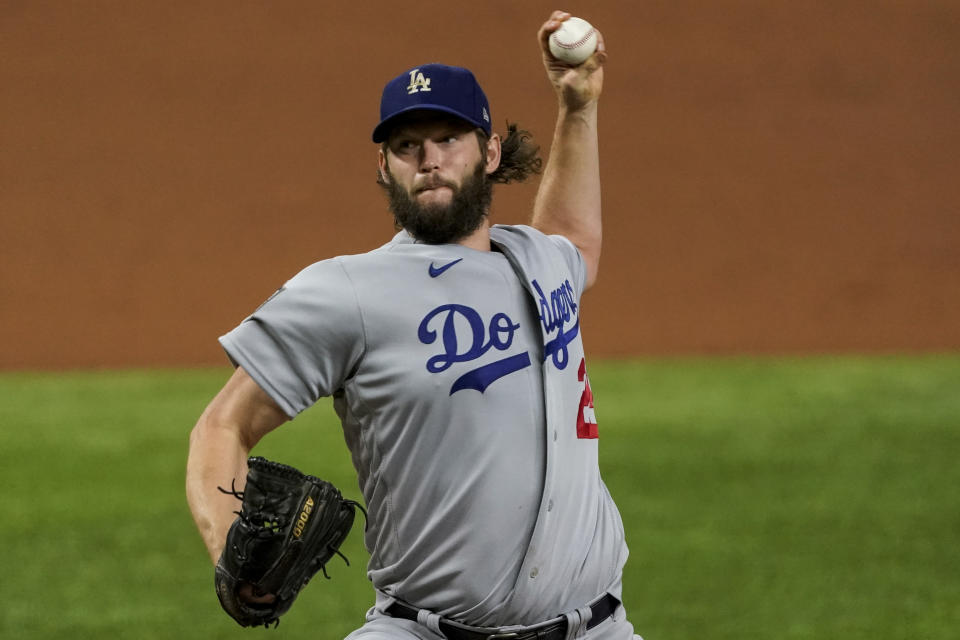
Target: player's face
x=436, y=179
x=431, y=157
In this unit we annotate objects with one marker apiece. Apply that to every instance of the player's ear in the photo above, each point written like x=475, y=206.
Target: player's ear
x=493, y=153
x=382, y=166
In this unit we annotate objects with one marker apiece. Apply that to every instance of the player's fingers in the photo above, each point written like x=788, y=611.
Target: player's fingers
x=596, y=59
x=599, y=56
x=601, y=45
x=552, y=24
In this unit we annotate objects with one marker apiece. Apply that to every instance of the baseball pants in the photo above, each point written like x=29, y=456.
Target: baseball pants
x=380, y=626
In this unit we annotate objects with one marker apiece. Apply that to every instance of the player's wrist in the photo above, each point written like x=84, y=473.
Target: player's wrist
x=573, y=101
x=577, y=115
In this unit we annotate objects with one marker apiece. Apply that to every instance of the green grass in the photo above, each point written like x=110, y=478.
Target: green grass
x=801, y=498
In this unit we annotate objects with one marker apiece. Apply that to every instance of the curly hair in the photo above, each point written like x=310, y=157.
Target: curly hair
x=519, y=155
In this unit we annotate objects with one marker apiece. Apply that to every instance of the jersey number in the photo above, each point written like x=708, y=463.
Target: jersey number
x=586, y=418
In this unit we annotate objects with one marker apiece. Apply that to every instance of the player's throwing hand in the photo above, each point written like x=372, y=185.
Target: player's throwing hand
x=576, y=85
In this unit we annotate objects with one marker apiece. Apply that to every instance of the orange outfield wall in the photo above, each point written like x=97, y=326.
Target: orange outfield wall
x=778, y=177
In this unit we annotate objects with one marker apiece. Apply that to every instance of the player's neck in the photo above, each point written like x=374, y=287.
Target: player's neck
x=479, y=239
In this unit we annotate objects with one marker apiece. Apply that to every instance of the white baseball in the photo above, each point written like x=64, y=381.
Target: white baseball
x=574, y=41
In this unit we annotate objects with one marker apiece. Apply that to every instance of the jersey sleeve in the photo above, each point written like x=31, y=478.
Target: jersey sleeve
x=304, y=341
x=574, y=260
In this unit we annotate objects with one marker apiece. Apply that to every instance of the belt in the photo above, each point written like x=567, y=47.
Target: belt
x=555, y=629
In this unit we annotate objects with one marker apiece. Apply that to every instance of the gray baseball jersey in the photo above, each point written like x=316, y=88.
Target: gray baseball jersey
x=460, y=381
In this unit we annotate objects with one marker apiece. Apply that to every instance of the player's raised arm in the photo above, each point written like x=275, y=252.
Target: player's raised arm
x=568, y=200
x=236, y=419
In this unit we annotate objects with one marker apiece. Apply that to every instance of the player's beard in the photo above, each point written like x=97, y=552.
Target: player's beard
x=443, y=224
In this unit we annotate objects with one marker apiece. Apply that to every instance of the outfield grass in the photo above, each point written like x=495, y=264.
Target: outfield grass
x=802, y=498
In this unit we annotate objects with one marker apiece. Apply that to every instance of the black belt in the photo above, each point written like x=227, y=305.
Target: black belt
x=602, y=609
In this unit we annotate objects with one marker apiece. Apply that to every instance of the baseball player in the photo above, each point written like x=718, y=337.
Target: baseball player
x=454, y=357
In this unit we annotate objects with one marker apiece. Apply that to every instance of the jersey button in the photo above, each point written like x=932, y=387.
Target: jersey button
x=554, y=435
x=550, y=506
x=534, y=573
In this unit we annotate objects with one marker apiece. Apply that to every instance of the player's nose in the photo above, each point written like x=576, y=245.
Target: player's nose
x=430, y=156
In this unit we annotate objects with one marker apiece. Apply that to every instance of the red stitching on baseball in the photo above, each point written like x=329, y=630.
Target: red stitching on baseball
x=573, y=45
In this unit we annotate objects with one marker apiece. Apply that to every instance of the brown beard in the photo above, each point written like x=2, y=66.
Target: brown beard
x=443, y=224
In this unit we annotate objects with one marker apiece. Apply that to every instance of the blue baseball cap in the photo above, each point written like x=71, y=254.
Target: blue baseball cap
x=433, y=87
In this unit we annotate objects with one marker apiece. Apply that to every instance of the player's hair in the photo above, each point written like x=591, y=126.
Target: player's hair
x=519, y=155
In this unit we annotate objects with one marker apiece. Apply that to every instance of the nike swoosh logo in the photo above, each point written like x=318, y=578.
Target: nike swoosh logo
x=435, y=271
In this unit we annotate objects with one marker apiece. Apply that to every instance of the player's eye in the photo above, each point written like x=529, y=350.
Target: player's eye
x=447, y=138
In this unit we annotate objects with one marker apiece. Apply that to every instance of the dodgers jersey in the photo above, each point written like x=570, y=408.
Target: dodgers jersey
x=459, y=378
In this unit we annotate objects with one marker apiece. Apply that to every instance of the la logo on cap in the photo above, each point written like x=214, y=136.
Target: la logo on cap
x=418, y=82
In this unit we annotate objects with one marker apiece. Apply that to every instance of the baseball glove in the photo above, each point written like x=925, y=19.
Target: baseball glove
x=288, y=527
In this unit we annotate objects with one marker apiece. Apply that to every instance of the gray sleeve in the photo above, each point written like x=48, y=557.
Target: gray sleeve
x=305, y=341
x=574, y=260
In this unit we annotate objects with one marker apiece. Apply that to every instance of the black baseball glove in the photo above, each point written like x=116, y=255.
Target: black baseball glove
x=288, y=527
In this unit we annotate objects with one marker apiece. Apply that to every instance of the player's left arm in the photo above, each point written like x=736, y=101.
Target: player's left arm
x=568, y=200
x=234, y=421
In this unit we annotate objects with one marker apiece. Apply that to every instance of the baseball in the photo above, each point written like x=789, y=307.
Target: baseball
x=574, y=41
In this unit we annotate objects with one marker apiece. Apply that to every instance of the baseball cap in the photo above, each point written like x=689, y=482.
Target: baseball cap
x=433, y=87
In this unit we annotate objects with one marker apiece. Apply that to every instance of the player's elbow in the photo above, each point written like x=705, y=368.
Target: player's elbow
x=206, y=425
x=216, y=428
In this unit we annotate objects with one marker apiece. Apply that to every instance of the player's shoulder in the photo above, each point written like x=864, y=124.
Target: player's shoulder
x=392, y=257
x=533, y=247
x=324, y=275
x=518, y=231
x=343, y=261
x=525, y=236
